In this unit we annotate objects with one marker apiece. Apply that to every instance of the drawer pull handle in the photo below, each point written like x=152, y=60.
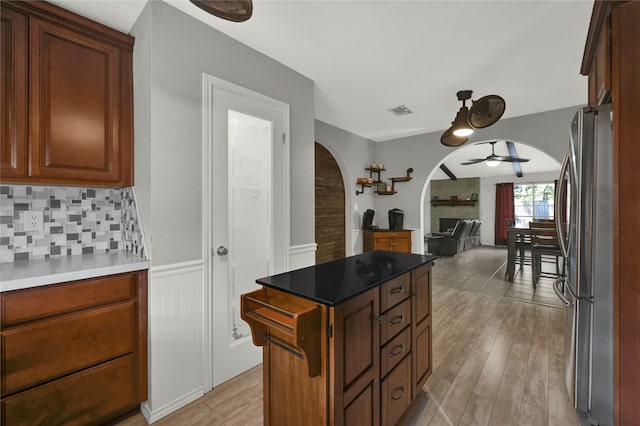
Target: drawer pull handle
x=397, y=320
x=394, y=352
x=397, y=290
x=401, y=389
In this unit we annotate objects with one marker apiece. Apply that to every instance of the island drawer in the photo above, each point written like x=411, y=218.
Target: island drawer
x=395, y=392
x=394, y=291
x=25, y=305
x=394, y=351
x=394, y=321
x=38, y=352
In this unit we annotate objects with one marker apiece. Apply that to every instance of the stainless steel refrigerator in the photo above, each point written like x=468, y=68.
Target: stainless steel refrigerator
x=584, y=217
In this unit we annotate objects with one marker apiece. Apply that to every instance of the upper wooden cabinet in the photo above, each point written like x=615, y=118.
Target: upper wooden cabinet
x=13, y=100
x=77, y=127
x=614, y=36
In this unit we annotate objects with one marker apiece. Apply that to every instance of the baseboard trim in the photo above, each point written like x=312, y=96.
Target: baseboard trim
x=155, y=415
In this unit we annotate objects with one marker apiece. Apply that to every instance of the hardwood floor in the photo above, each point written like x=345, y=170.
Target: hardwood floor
x=498, y=358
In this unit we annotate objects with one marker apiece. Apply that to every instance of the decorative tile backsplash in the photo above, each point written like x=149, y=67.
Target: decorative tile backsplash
x=76, y=221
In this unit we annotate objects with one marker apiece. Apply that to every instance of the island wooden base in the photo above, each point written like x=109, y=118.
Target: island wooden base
x=373, y=353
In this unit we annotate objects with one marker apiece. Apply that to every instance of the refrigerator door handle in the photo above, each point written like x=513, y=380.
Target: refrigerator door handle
x=572, y=293
x=559, y=195
x=560, y=294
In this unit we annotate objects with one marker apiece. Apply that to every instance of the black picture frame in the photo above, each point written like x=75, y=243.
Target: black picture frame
x=474, y=197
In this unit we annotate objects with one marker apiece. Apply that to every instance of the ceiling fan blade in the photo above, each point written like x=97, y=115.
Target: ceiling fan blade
x=486, y=111
x=511, y=159
x=474, y=161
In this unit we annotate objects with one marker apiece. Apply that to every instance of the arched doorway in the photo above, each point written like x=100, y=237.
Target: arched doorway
x=330, y=208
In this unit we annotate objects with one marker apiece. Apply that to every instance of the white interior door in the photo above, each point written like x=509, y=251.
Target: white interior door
x=249, y=220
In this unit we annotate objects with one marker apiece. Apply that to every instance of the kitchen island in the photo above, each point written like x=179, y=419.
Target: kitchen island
x=346, y=342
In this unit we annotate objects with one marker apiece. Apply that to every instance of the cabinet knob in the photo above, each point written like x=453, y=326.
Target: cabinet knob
x=397, y=350
x=397, y=320
x=398, y=391
x=397, y=290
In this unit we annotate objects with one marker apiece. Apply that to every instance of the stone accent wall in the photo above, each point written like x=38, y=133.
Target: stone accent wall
x=462, y=188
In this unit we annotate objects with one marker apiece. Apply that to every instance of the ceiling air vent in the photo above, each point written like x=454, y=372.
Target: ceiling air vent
x=401, y=110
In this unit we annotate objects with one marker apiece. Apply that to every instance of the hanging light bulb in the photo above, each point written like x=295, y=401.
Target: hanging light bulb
x=492, y=163
x=460, y=125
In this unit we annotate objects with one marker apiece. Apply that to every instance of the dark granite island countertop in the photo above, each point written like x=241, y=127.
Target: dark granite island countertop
x=334, y=282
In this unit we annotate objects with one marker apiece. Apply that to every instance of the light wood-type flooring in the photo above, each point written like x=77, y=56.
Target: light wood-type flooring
x=498, y=357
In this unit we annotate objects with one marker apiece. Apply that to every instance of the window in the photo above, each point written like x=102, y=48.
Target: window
x=533, y=201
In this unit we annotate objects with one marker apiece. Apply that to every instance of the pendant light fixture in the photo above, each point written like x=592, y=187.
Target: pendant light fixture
x=483, y=113
x=460, y=126
x=231, y=10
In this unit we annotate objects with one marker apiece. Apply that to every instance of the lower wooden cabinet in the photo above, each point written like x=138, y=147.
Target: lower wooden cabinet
x=373, y=353
x=385, y=239
x=74, y=353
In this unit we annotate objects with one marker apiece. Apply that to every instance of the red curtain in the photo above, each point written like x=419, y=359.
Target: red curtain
x=504, y=211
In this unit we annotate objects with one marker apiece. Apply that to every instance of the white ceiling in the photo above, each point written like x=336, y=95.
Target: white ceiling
x=539, y=161
x=366, y=57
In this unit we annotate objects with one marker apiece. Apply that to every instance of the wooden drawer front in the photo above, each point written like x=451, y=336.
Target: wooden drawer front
x=392, y=234
x=92, y=396
x=38, y=352
x=393, y=352
x=24, y=305
x=394, y=292
x=394, y=320
x=396, y=392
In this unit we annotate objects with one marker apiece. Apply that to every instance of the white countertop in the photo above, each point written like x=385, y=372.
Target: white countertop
x=33, y=273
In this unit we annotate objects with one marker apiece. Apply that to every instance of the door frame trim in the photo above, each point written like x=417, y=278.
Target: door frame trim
x=209, y=83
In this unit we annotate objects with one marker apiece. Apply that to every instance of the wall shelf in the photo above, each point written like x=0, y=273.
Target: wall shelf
x=453, y=202
x=375, y=183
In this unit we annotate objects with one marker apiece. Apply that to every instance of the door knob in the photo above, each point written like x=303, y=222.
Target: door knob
x=222, y=251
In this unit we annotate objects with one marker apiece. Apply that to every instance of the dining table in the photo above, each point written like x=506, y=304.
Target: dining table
x=514, y=233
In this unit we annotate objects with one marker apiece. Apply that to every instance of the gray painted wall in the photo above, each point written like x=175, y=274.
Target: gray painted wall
x=547, y=131
x=352, y=153
x=172, y=52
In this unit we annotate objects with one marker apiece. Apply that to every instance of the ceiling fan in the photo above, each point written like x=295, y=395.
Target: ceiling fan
x=483, y=113
x=231, y=10
x=493, y=159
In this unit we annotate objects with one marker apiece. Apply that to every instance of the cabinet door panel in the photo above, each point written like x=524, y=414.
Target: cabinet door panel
x=421, y=327
x=421, y=294
x=74, y=105
x=355, y=351
x=422, y=356
x=41, y=351
x=92, y=396
x=360, y=411
x=13, y=96
x=403, y=245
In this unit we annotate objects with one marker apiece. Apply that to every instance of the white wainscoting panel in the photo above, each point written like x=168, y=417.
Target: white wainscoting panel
x=176, y=312
x=302, y=255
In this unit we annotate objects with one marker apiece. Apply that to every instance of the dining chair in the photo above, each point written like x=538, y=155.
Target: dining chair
x=544, y=242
